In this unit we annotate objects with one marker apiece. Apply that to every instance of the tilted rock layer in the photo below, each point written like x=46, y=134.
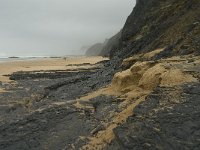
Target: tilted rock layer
x=153, y=24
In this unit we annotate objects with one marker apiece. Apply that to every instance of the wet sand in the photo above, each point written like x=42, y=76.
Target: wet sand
x=45, y=64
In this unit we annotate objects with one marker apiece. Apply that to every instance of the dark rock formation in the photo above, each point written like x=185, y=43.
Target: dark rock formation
x=111, y=46
x=39, y=114
x=157, y=24
x=153, y=24
x=163, y=121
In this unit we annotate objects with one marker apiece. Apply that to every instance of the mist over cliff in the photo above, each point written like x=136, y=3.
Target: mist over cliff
x=57, y=28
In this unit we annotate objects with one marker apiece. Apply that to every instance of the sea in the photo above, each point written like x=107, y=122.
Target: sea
x=23, y=58
x=10, y=59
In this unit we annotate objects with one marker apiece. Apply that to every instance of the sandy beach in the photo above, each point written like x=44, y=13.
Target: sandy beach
x=39, y=64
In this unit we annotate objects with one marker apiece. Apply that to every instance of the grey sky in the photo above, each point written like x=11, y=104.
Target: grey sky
x=58, y=27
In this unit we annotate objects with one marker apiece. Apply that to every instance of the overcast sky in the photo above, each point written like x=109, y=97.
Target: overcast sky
x=58, y=27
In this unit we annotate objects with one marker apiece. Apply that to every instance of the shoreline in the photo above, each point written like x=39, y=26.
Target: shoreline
x=38, y=64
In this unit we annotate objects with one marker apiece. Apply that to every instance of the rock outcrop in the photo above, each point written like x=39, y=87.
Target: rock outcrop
x=168, y=119
x=111, y=45
x=149, y=92
x=173, y=25
x=157, y=53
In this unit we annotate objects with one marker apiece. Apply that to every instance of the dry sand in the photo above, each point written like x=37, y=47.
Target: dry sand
x=44, y=64
x=1, y=90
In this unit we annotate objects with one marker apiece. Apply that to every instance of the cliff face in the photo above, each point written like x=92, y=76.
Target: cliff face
x=94, y=50
x=112, y=44
x=106, y=48
x=172, y=24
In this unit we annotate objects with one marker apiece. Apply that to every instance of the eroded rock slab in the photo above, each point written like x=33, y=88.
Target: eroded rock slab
x=168, y=119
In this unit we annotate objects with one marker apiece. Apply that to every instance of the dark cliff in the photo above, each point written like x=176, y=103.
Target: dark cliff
x=112, y=44
x=168, y=116
x=171, y=24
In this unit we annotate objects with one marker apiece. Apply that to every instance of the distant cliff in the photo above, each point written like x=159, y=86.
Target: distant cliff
x=84, y=48
x=112, y=44
x=106, y=48
x=94, y=50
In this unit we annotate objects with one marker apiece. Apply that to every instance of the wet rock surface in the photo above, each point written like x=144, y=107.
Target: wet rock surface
x=168, y=119
x=40, y=112
x=37, y=112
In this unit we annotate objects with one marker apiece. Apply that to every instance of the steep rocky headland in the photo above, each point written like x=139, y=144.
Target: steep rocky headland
x=105, y=48
x=147, y=96
x=94, y=50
